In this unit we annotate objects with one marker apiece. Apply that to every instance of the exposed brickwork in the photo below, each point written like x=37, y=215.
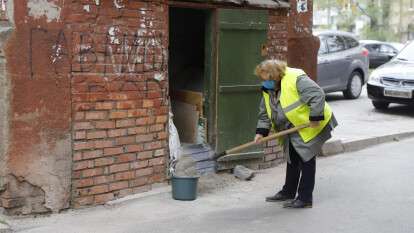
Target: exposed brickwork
x=277, y=49
x=119, y=109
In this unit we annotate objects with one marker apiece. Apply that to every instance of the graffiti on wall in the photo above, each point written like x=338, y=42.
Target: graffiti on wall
x=113, y=50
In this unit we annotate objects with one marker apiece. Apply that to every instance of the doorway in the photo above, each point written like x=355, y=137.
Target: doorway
x=188, y=75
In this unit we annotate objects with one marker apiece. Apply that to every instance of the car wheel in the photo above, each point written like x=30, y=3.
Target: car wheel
x=354, y=87
x=380, y=105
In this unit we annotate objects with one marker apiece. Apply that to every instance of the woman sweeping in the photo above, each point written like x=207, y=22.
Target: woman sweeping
x=291, y=98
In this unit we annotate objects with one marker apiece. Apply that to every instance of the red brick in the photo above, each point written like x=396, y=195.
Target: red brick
x=92, y=172
x=103, y=198
x=156, y=128
x=139, y=182
x=137, y=130
x=118, y=185
x=145, y=121
x=137, y=112
x=83, y=145
x=162, y=135
x=145, y=155
x=147, y=103
x=92, y=154
x=79, y=116
x=83, y=183
x=156, y=161
x=82, y=201
x=119, y=167
x=144, y=172
x=126, y=105
x=95, y=115
x=145, y=138
x=83, y=106
x=125, y=123
x=152, y=145
x=125, y=175
x=161, y=119
x=77, y=156
x=105, y=124
x=103, y=161
x=104, y=106
x=103, y=179
x=133, y=148
x=159, y=168
x=118, y=96
x=82, y=125
x=117, y=132
x=80, y=135
x=125, y=158
x=125, y=140
x=98, y=189
x=96, y=134
x=118, y=114
x=139, y=164
x=154, y=94
x=82, y=165
x=104, y=144
x=113, y=151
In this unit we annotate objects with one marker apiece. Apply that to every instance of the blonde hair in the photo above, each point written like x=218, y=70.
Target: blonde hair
x=271, y=67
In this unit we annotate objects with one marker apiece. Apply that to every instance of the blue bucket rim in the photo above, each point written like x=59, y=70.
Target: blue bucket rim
x=185, y=177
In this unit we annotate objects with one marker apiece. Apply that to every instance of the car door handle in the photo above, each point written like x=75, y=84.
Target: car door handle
x=323, y=62
x=348, y=57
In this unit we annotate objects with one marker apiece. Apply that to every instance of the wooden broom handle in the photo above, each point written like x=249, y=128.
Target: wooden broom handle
x=265, y=139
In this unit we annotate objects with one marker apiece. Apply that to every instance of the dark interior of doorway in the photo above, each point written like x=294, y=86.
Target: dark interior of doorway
x=187, y=32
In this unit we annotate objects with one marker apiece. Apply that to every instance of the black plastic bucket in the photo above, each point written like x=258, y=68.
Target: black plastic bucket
x=184, y=188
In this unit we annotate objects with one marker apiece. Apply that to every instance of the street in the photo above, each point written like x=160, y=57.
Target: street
x=358, y=119
x=366, y=191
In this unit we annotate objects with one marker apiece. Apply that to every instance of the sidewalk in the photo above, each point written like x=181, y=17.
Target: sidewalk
x=361, y=125
x=240, y=207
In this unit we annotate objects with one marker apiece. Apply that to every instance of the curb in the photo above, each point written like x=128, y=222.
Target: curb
x=338, y=146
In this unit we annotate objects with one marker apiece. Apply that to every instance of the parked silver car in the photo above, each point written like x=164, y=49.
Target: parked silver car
x=342, y=63
x=393, y=82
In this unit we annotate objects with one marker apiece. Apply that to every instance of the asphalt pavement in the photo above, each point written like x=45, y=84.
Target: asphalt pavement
x=368, y=191
x=358, y=119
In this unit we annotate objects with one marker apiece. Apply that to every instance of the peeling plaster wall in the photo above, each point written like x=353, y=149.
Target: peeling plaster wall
x=38, y=157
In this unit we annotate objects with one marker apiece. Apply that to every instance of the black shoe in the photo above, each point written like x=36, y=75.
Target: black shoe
x=297, y=204
x=279, y=197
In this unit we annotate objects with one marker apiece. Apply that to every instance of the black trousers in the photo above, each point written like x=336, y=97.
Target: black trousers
x=299, y=173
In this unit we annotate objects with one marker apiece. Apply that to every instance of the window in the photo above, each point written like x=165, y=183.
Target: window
x=335, y=44
x=323, y=49
x=350, y=42
x=386, y=49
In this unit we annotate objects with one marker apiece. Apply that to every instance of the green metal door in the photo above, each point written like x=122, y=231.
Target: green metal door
x=241, y=36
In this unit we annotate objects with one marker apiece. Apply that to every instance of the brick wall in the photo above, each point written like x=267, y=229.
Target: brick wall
x=277, y=49
x=119, y=98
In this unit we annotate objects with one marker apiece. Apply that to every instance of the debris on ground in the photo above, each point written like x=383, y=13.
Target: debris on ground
x=243, y=173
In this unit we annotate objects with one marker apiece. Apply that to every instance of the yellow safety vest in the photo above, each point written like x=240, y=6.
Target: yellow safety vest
x=295, y=111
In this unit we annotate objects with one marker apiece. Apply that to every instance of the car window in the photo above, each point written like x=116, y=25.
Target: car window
x=374, y=48
x=335, y=44
x=386, y=49
x=350, y=42
x=323, y=48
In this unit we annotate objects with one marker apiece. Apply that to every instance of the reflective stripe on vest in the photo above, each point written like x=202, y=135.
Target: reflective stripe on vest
x=295, y=111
